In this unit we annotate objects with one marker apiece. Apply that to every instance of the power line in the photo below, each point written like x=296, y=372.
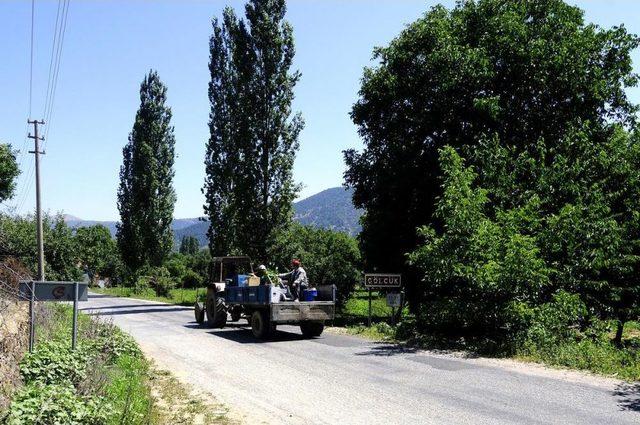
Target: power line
x=53, y=47
x=33, y=8
x=52, y=83
x=24, y=142
x=49, y=110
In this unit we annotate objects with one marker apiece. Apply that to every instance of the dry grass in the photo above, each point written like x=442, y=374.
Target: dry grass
x=176, y=403
x=14, y=325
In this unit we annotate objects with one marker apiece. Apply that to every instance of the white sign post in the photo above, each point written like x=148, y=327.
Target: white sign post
x=380, y=281
x=52, y=291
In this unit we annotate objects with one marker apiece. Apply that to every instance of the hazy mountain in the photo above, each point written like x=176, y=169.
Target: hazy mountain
x=197, y=229
x=330, y=209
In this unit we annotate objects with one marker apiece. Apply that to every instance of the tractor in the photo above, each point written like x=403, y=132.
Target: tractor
x=235, y=292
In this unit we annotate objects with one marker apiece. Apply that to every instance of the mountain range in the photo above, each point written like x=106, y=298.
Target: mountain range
x=330, y=209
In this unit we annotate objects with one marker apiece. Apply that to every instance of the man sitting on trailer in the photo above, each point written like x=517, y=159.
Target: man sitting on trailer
x=296, y=279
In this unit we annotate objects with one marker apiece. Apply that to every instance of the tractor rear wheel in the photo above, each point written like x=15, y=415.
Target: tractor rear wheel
x=198, y=309
x=216, y=310
x=311, y=329
x=261, y=326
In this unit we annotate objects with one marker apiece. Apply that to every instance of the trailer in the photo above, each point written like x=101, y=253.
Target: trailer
x=235, y=292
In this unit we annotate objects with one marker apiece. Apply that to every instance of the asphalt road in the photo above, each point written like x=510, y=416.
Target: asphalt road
x=338, y=379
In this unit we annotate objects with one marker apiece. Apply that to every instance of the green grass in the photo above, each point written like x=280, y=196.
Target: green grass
x=177, y=296
x=599, y=357
x=355, y=313
x=358, y=305
x=378, y=332
x=129, y=392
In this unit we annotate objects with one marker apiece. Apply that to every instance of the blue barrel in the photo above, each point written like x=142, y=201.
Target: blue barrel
x=309, y=294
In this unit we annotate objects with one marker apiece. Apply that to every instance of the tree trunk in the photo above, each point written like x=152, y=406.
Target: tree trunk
x=618, y=339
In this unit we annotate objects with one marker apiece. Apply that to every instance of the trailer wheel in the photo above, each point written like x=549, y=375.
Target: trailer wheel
x=260, y=325
x=216, y=310
x=311, y=329
x=198, y=309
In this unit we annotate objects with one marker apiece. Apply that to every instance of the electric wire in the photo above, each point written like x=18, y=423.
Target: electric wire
x=54, y=87
x=52, y=83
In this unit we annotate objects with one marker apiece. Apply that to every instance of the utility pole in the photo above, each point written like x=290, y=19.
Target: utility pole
x=39, y=236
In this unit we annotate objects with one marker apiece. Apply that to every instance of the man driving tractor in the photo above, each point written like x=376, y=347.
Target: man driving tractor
x=296, y=279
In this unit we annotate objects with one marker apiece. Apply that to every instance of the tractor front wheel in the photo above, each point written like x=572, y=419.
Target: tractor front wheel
x=216, y=310
x=198, y=309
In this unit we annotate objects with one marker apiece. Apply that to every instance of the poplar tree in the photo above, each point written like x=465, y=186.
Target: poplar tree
x=146, y=196
x=189, y=245
x=249, y=186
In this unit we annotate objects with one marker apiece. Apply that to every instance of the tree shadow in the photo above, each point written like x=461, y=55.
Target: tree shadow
x=628, y=396
x=90, y=311
x=126, y=306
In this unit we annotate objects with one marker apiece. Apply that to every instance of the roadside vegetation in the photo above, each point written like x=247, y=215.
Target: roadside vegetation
x=106, y=380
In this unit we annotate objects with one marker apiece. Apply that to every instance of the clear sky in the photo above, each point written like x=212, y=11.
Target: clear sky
x=110, y=45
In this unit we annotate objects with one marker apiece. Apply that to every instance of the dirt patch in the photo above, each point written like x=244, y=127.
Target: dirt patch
x=177, y=403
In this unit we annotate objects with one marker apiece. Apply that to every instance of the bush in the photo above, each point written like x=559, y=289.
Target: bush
x=61, y=384
x=163, y=285
x=53, y=362
x=191, y=279
x=113, y=343
x=474, y=270
x=39, y=403
x=156, y=278
x=557, y=321
x=176, y=266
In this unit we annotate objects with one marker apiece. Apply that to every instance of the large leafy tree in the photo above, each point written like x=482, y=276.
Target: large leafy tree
x=146, y=196
x=522, y=71
x=574, y=230
x=8, y=172
x=97, y=250
x=17, y=236
x=253, y=140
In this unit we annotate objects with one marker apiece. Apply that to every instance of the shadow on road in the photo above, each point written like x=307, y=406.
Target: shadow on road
x=126, y=306
x=91, y=311
x=242, y=335
x=387, y=350
x=195, y=325
x=628, y=396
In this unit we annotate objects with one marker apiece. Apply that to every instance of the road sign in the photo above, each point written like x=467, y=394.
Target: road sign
x=394, y=300
x=54, y=291
x=382, y=280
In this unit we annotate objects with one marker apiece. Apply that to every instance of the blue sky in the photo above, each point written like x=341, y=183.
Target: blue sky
x=108, y=48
